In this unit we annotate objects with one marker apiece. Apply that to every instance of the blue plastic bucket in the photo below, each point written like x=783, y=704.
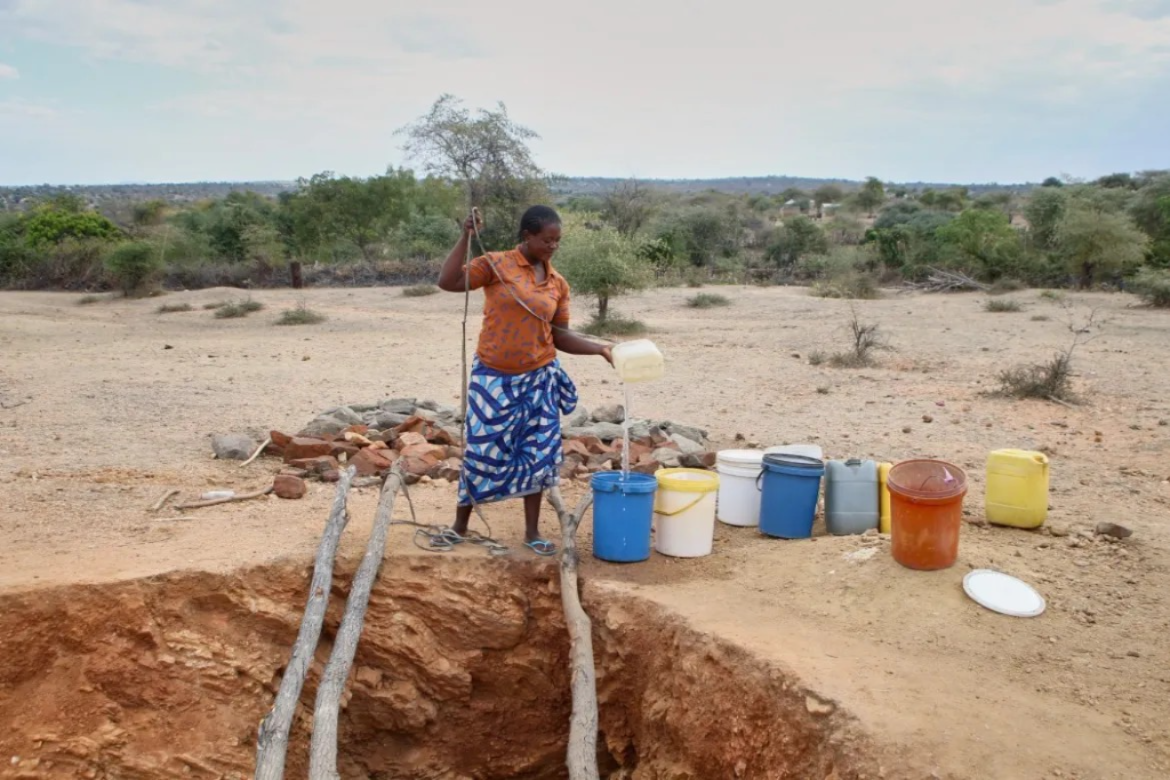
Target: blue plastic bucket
x=623, y=511
x=790, y=486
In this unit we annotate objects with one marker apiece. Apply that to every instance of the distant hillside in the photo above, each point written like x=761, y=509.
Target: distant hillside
x=188, y=192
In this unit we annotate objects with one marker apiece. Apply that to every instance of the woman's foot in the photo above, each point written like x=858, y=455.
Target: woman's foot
x=542, y=547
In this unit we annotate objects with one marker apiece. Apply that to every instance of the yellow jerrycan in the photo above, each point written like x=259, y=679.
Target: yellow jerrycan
x=1017, y=488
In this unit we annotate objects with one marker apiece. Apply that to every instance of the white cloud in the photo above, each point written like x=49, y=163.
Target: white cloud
x=18, y=108
x=8, y=72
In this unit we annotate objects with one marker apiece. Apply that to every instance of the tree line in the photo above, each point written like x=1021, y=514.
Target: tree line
x=395, y=227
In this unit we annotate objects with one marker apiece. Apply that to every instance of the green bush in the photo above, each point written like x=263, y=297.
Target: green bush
x=301, y=315
x=133, y=265
x=1000, y=306
x=419, y=291
x=228, y=311
x=614, y=325
x=1153, y=286
x=708, y=301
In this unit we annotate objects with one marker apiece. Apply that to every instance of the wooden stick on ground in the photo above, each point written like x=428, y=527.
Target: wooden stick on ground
x=228, y=500
x=256, y=454
x=582, y=752
x=272, y=740
x=323, y=748
x=157, y=505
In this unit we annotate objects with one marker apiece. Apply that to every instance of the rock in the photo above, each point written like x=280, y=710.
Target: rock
x=410, y=439
x=614, y=413
x=341, y=448
x=1059, y=530
x=357, y=439
x=637, y=450
x=362, y=429
x=349, y=416
x=330, y=475
x=697, y=460
x=399, y=406
x=816, y=706
x=279, y=439
x=606, y=431
x=571, y=464
x=926, y=418
x=430, y=406
x=689, y=431
x=593, y=445
x=418, y=465
x=454, y=452
x=294, y=472
x=325, y=425
x=380, y=445
x=435, y=451
x=599, y=462
x=288, y=486
x=369, y=462
x=232, y=446
x=670, y=458
x=578, y=419
x=300, y=447
x=450, y=470
x=1114, y=530
x=362, y=408
x=906, y=429
x=315, y=466
x=386, y=420
x=577, y=447
x=640, y=430
x=425, y=414
x=648, y=466
x=686, y=445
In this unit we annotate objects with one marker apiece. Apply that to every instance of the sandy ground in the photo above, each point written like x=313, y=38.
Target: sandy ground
x=103, y=407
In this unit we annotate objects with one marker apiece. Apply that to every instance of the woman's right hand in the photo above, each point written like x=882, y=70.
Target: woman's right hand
x=473, y=222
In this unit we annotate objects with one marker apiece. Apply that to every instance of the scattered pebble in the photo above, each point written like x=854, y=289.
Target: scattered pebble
x=1113, y=529
x=926, y=418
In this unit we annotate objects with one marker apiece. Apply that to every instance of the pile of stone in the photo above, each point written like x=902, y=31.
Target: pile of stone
x=594, y=442
x=423, y=438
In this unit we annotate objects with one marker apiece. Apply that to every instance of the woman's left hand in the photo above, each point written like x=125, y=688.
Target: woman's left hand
x=607, y=353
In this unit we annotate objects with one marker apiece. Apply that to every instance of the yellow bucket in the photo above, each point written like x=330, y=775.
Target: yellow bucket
x=684, y=512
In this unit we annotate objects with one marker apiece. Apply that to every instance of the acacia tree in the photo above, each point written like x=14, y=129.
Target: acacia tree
x=629, y=206
x=487, y=152
x=1094, y=243
x=871, y=195
x=599, y=261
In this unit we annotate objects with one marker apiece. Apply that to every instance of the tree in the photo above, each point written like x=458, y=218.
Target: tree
x=826, y=193
x=1052, y=181
x=599, y=261
x=1093, y=243
x=1151, y=212
x=700, y=235
x=133, y=265
x=50, y=224
x=1044, y=210
x=488, y=153
x=871, y=195
x=629, y=206
x=797, y=238
x=362, y=212
x=985, y=239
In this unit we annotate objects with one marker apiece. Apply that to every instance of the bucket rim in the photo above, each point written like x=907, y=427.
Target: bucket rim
x=740, y=458
x=792, y=461
x=616, y=482
x=958, y=489
x=684, y=480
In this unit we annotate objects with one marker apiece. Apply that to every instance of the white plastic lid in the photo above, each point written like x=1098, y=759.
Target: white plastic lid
x=807, y=450
x=1003, y=593
x=741, y=458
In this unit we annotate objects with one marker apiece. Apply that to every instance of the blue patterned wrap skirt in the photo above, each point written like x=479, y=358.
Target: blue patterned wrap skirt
x=514, y=432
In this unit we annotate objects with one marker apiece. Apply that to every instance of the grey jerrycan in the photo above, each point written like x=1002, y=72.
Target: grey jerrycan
x=851, y=496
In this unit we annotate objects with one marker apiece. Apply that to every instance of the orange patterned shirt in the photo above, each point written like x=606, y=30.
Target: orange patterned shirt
x=512, y=340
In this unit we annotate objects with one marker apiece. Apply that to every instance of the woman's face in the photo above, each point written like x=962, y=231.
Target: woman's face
x=543, y=245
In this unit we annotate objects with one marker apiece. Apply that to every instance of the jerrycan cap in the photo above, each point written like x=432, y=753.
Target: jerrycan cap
x=1003, y=593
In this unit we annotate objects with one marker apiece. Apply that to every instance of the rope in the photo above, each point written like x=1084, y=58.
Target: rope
x=442, y=538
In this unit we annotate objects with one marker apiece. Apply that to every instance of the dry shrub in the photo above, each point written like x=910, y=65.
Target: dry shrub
x=1002, y=305
x=171, y=308
x=301, y=315
x=708, y=301
x=419, y=291
x=1044, y=381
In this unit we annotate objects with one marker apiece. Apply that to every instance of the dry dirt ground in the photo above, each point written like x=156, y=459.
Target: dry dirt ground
x=104, y=407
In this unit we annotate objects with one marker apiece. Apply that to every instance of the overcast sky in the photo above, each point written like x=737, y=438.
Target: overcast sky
x=996, y=90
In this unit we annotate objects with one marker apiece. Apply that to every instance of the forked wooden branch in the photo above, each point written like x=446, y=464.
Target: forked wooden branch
x=581, y=758
x=157, y=505
x=227, y=500
x=272, y=740
x=323, y=748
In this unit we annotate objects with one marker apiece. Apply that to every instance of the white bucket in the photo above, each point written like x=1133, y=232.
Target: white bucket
x=804, y=450
x=684, y=512
x=739, y=495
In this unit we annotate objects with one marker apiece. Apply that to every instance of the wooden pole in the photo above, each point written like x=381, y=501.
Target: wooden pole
x=323, y=748
x=272, y=740
x=581, y=757
x=228, y=500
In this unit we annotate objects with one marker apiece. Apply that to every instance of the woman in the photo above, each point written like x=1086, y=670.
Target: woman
x=518, y=390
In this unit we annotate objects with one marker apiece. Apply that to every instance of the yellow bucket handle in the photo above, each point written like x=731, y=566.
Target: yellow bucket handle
x=685, y=508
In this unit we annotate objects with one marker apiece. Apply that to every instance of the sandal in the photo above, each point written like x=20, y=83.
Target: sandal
x=542, y=547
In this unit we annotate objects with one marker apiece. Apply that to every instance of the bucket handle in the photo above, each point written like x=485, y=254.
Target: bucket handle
x=674, y=512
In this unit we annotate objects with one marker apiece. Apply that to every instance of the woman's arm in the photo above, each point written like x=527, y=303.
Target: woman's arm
x=572, y=344
x=451, y=274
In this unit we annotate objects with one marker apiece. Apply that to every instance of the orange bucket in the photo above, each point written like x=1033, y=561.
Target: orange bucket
x=926, y=509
